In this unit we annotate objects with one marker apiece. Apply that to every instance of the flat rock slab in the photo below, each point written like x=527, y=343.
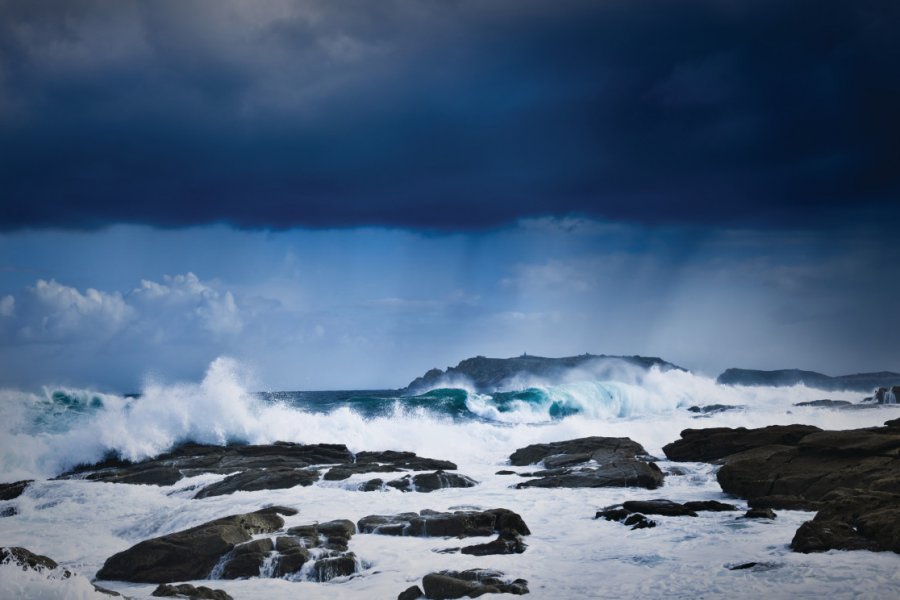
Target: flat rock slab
x=262, y=467
x=429, y=523
x=584, y=447
x=470, y=584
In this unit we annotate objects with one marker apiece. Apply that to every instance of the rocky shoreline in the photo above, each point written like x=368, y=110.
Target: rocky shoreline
x=850, y=477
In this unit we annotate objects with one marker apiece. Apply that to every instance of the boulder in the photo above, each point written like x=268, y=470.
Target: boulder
x=463, y=523
x=760, y=513
x=28, y=560
x=411, y=593
x=246, y=560
x=709, y=506
x=186, y=590
x=618, y=473
x=191, y=553
x=852, y=519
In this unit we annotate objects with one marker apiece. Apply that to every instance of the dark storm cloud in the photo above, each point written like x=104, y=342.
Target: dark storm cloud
x=448, y=114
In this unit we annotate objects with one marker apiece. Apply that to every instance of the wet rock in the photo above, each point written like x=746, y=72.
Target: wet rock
x=292, y=555
x=784, y=503
x=658, y=507
x=429, y=482
x=260, y=479
x=753, y=566
x=11, y=491
x=247, y=559
x=186, y=590
x=638, y=521
x=709, y=506
x=462, y=523
x=825, y=403
x=326, y=569
x=713, y=408
x=411, y=593
x=9, y=511
x=472, y=583
x=852, y=519
x=191, y=553
x=505, y=472
x=404, y=460
x=28, y=560
x=760, y=513
x=508, y=542
x=706, y=445
x=618, y=473
x=613, y=514
x=373, y=485
x=332, y=535
x=583, y=448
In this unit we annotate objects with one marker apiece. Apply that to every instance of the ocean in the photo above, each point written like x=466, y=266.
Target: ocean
x=81, y=523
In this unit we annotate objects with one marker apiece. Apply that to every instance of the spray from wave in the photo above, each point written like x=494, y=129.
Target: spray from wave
x=45, y=434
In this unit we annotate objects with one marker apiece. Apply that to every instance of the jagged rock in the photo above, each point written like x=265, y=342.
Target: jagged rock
x=260, y=479
x=186, y=590
x=658, y=507
x=706, y=445
x=411, y=593
x=760, y=513
x=429, y=523
x=472, y=583
x=429, y=482
x=11, y=491
x=613, y=514
x=191, y=553
x=508, y=542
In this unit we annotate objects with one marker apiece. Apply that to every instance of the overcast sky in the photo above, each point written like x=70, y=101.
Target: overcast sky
x=345, y=194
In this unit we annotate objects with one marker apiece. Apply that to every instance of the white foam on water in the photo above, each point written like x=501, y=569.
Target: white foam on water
x=81, y=523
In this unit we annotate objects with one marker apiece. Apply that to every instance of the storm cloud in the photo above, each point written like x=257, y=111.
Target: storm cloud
x=448, y=115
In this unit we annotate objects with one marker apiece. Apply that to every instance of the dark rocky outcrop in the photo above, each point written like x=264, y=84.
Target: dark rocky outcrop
x=11, y=491
x=224, y=549
x=190, y=592
x=632, y=512
x=266, y=467
x=589, y=462
x=851, y=477
x=429, y=523
x=860, y=382
x=488, y=374
x=191, y=553
x=470, y=584
x=707, y=445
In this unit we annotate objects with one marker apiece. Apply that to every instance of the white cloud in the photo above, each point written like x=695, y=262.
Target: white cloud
x=193, y=300
x=53, y=311
x=7, y=306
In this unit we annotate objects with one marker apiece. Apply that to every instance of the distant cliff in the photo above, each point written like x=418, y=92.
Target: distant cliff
x=487, y=374
x=860, y=382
